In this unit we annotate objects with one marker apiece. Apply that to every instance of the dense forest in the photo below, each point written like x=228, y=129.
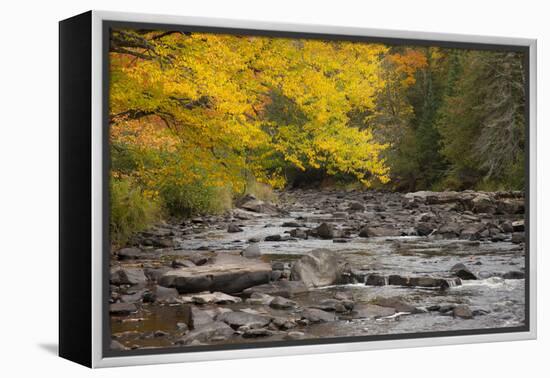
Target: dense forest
x=197, y=120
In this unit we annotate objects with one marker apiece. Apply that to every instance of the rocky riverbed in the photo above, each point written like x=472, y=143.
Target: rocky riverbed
x=320, y=264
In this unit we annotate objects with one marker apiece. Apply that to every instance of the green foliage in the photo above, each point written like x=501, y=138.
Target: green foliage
x=132, y=210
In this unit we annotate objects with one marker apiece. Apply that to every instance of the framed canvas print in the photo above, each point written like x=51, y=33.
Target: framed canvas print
x=235, y=189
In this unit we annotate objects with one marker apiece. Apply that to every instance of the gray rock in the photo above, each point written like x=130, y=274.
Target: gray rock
x=507, y=227
x=325, y=231
x=295, y=335
x=228, y=274
x=259, y=299
x=318, y=268
x=462, y=272
x=257, y=332
x=232, y=228
x=370, y=232
x=115, y=345
x=518, y=226
x=463, y=311
x=127, y=276
x=179, y=263
x=273, y=238
x=237, y=319
x=132, y=253
x=282, y=303
x=314, y=315
x=281, y=288
x=207, y=332
x=356, y=206
x=252, y=251
x=513, y=275
x=291, y=224
x=518, y=237
x=122, y=309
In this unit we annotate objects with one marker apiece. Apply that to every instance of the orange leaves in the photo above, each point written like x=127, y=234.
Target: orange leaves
x=408, y=63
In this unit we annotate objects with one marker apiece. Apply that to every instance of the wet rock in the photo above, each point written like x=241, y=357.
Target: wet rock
x=442, y=283
x=398, y=280
x=513, y=275
x=207, y=332
x=462, y=272
x=325, y=231
x=318, y=268
x=443, y=309
x=281, y=288
x=282, y=303
x=237, y=319
x=397, y=304
x=291, y=224
x=507, y=227
x=273, y=238
x=127, y=276
x=233, y=228
x=252, y=251
x=314, y=315
x=518, y=226
x=228, y=274
x=257, y=332
x=463, y=311
x=341, y=240
x=370, y=232
x=371, y=311
x=448, y=230
x=122, y=309
x=425, y=228
x=300, y=234
x=376, y=280
x=356, y=206
x=518, y=237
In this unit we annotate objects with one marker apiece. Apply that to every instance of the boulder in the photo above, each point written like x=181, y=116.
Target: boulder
x=257, y=332
x=356, y=206
x=513, y=275
x=325, y=231
x=317, y=268
x=273, y=238
x=518, y=226
x=281, y=288
x=462, y=272
x=259, y=299
x=507, y=227
x=127, y=276
x=252, y=251
x=228, y=274
x=208, y=298
x=425, y=228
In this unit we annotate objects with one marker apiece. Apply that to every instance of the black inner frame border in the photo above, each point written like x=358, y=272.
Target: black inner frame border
x=108, y=25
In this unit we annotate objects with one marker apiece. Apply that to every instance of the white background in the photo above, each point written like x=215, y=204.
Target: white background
x=28, y=188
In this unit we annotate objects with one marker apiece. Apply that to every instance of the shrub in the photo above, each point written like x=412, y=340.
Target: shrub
x=260, y=190
x=132, y=210
x=194, y=198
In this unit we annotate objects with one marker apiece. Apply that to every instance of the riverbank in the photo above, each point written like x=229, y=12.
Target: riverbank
x=323, y=264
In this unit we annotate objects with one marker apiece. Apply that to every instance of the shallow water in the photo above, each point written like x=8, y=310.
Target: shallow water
x=503, y=301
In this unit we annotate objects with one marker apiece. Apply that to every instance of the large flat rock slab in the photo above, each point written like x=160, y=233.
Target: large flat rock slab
x=227, y=274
